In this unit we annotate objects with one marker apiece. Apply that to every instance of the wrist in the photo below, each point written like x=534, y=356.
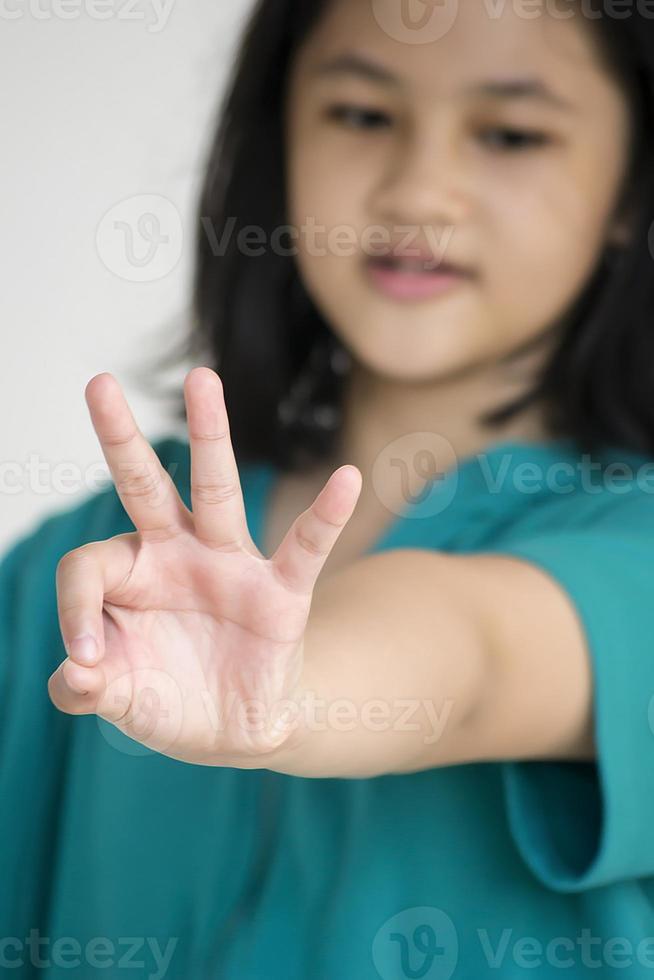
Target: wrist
x=285, y=732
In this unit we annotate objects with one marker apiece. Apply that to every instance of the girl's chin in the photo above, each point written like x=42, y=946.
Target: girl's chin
x=424, y=362
x=411, y=336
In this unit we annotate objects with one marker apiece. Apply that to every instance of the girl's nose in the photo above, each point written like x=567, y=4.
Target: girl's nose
x=423, y=185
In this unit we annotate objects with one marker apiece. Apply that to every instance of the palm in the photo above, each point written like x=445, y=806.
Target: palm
x=193, y=628
x=201, y=636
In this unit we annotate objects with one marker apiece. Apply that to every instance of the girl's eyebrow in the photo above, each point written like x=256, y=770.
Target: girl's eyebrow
x=511, y=88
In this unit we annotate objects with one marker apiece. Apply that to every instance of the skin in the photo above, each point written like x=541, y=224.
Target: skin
x=494, y=637
x=203, y=649
x=530, y=222
x=186, y=612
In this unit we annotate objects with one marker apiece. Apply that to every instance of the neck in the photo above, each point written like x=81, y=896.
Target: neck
x=441, y=417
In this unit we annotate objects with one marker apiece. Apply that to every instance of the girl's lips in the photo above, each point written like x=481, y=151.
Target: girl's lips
x=407, y=284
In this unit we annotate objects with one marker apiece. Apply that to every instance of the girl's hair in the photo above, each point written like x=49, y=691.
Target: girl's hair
x=256, y=325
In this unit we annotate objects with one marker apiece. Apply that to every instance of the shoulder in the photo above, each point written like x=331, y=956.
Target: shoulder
x=559, y=490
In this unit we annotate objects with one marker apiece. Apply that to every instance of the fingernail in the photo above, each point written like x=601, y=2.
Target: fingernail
x=84, y=649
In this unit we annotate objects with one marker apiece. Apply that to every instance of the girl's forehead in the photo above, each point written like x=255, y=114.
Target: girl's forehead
x=456, y=39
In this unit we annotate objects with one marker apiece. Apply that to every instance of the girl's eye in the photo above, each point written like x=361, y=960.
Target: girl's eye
x=359, y=117
x=505, y=138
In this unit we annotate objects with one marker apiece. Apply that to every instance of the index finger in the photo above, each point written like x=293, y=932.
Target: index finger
x=146, y=490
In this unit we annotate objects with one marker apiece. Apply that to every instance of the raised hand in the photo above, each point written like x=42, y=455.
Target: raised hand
x=181, y=633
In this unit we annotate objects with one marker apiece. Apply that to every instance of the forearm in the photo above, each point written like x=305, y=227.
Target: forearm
x=374, y=697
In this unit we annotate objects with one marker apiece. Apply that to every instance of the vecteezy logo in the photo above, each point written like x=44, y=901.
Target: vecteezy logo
x=415, y=21
x=417, y=944
x=140, y=239
x=149, y=723
x=423, y=467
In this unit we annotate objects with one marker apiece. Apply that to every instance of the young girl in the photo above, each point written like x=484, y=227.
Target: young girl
x=359, y=681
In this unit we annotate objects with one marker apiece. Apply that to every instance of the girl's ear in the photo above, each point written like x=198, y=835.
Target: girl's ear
x=620, y=234
x=621, y=229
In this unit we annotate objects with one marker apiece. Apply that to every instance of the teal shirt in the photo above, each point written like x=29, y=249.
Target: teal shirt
x=115, y=859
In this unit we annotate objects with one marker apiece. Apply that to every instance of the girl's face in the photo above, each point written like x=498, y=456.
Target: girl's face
x=499, y=148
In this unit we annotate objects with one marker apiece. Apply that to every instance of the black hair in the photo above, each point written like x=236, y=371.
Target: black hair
x=255, y=324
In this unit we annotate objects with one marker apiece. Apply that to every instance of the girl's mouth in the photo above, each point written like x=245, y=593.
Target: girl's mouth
x=413, y=278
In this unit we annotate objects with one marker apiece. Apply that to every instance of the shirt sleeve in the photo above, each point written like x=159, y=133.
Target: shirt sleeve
x=35, y=738
x=31, y=646
x=582, y=825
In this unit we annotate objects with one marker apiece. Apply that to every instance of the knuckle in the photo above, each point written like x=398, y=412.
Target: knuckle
x=215, y=493
x=162, y=533
x=57, y=702
x=69, y=611
x=60, y=702
x=139, y=484
x=120, y=441
x=211, y=436
x=307, y=544
x=72, y=560
x=235, y=546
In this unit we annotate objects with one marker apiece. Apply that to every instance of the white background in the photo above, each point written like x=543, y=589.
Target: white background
x=94, y=112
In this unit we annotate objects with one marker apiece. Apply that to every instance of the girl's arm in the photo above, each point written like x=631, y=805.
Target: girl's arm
x=186, y=638
x=417, y=658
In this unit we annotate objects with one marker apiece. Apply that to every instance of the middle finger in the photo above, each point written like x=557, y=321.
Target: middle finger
x=216, y=495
